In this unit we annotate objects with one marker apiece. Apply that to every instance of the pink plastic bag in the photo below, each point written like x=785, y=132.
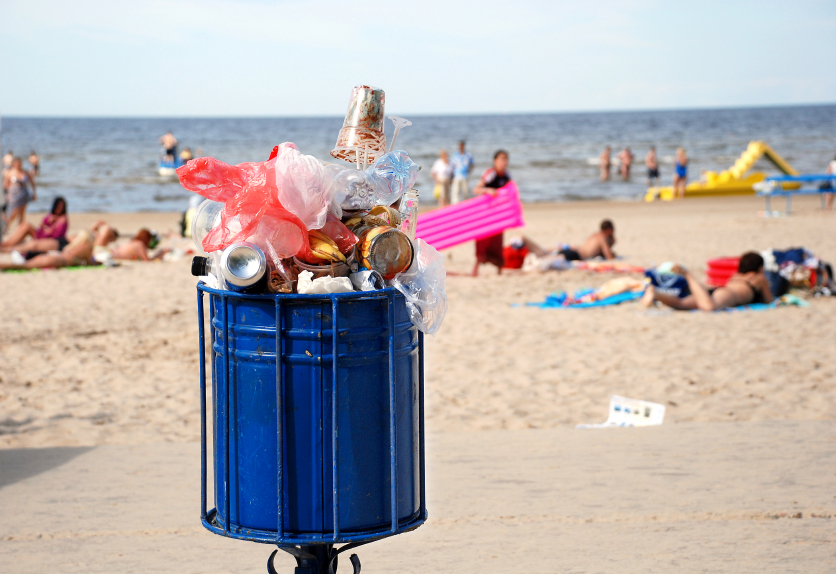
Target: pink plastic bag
x=215, y=179
x=249, y=194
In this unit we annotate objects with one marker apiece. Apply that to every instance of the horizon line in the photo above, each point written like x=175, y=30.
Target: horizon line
x=436, y=115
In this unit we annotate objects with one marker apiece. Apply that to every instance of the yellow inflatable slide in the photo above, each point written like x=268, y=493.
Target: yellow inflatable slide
x=734, y=180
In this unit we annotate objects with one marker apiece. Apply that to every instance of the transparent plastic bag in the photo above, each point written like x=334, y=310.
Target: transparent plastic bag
x=357, y=189
x=303, y=185
x=398, y=171
x=423, y=286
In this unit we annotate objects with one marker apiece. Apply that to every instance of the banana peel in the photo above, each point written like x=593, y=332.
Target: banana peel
x=324, y=248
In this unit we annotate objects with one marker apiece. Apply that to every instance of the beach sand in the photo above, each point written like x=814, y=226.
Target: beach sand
x=736, y=480
x=101, y=356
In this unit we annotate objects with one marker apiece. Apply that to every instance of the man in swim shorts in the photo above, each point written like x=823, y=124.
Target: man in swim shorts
x=652, y=164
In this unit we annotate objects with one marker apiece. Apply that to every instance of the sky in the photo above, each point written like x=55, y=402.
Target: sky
x=300, y=58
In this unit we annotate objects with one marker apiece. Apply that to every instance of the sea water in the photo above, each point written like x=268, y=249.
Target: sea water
x=110, y=164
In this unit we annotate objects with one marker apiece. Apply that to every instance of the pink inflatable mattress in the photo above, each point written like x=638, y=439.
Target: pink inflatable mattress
x=473, y=219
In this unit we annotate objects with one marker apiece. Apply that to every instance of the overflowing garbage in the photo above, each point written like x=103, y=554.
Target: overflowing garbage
x=297, y=224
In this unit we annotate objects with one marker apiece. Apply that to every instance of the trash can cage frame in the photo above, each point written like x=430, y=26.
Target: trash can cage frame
x=220, y=523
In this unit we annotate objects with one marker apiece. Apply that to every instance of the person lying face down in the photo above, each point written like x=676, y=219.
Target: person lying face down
x=748, y=285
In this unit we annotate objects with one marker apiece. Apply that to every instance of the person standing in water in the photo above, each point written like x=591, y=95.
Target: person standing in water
x=489, y=249
x=680, y=176
x=442, y=173
x=652, y=164
x=17, y=181
x=169, y=143
x=626, y=159
x=462, y=166
x=35, y=162
x=831, y=170
x=605, y=163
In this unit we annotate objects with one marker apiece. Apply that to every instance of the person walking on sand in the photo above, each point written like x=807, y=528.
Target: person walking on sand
x=462, y=166
x=680, y=176
x=489, y=249
x=169, y=143
x=652, y=163
x=626, y=159
x=442, y=173
x=17, y=181
x=605, y=163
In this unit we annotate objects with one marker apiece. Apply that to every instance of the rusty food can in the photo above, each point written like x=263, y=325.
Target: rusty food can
x=386, y=250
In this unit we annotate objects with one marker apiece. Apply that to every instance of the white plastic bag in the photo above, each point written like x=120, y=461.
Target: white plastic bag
x=305, y=187
x=322, y=285
x=423, y=286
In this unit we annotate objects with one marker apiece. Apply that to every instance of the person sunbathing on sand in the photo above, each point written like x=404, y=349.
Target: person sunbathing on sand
x=597, y=244
x=137, y=248
x=103, y=233
x=78, y=252
x=748, y=285
x=53, y=228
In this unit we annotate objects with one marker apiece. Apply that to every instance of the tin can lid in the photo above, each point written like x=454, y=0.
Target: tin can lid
x=243, y=264
x=389, y=253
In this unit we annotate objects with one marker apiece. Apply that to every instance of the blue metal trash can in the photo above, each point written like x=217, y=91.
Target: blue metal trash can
x=318, y=422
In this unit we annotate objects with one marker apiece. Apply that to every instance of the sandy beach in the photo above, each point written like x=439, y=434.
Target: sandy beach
x=101, y=356
x=108, y=356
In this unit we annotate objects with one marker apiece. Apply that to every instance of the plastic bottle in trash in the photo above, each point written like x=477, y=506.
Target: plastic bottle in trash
x=205, y=218
x=242, y=265
x=408, y=210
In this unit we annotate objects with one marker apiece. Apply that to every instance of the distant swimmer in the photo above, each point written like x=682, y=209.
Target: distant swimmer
x=186, y=155
x=605, y=163
x=652, y=164
x=169, y=143
x=680, y=176
x=626, y=159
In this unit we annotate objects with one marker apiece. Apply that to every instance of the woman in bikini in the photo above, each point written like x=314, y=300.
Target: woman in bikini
x=680, y=175
x=79, y=251
x=50, y=236
x=748, y=285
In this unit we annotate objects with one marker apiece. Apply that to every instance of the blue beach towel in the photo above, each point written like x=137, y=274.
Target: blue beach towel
x=556, y=300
